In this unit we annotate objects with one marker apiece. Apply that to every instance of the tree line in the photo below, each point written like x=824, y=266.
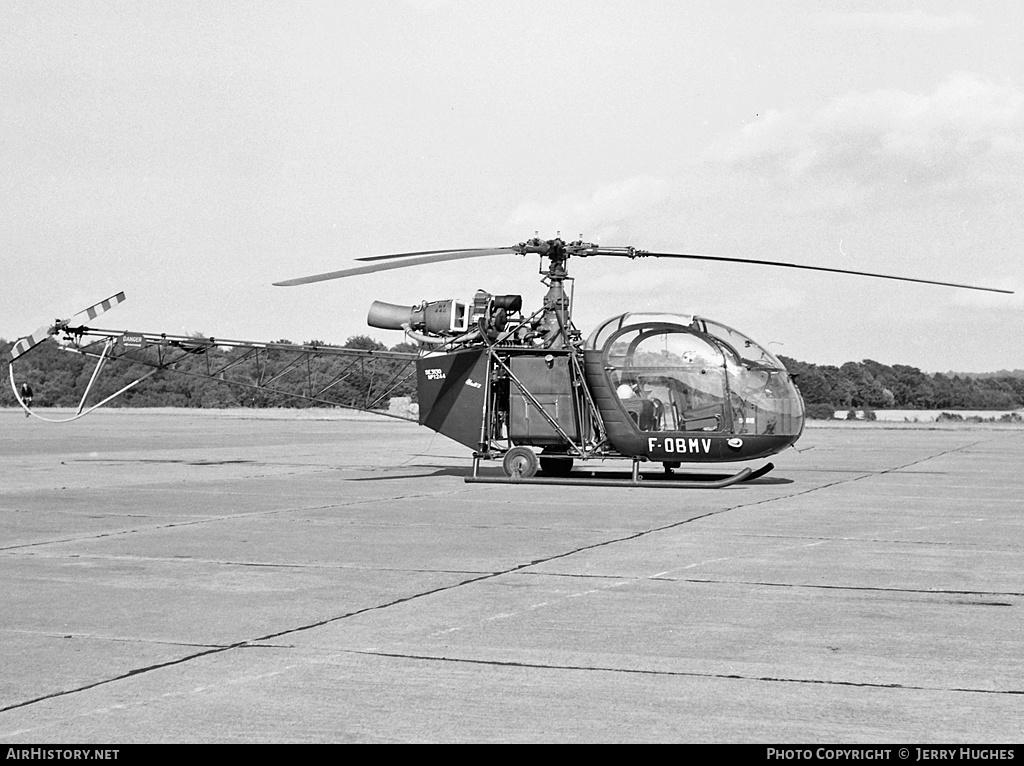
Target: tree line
x=58, y=378
x=873, y=385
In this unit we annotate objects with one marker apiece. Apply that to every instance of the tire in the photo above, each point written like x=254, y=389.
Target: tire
x=520, y=463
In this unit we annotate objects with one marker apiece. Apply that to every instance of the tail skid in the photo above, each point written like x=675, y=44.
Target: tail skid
x=29, y=342
x=82, y=412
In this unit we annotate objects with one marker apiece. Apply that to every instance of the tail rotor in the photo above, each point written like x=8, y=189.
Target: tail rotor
x=29, y=342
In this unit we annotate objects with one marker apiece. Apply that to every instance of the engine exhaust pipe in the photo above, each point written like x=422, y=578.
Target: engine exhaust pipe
x=388, y=316
x=449, y=317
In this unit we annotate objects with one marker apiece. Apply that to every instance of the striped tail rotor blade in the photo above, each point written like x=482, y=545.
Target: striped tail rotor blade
x=31, y=341
x=95, y=310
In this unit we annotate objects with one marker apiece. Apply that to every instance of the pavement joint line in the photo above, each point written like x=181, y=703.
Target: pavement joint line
x=1009, y=547
x=210, y=520
x=860, y=476
x=236, y=645
x=115, y=639
x=709, y=514
x=564, y=554
x=682, y=673
x=487, y=576
x=873, y=588
x=120, y=677
x=253, y=564
x=662, y=577
x=874, y=471
x=336, y=618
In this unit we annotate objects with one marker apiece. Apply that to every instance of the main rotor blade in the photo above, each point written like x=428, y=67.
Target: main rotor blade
x=723, y=259
x=425, y=252
x=416, y=259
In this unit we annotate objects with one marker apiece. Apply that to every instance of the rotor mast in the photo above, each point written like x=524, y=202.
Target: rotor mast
x=556, y=319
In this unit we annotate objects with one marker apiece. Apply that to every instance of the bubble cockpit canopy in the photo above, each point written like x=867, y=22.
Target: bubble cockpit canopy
x=700, y=376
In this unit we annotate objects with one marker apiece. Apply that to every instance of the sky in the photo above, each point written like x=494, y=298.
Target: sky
x=192, y=153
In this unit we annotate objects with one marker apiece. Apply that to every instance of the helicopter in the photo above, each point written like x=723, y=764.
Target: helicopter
x=529, y=389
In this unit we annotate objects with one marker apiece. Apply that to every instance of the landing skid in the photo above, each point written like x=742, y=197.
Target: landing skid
x=708, y=482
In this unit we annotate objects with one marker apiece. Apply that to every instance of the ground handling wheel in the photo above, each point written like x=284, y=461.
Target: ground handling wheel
x=520, y=463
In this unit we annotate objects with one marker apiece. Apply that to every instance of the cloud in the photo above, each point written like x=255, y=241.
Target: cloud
x=967, y=127
x=427, y=5
x=917, y=20
x=608, y=212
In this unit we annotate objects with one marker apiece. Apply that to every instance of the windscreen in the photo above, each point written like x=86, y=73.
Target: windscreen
x=769, y=401
x=697, y=378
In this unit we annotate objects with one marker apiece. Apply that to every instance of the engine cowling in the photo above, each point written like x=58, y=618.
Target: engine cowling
x=447, y=318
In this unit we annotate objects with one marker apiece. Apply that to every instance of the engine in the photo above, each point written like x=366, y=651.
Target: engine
x=432, y=321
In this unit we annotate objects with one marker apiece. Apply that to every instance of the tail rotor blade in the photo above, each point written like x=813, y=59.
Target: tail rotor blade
x=31, y=341
x=95, y=310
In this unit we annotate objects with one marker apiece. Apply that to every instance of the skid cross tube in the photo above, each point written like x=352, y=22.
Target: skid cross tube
x=745, y=475
x=636, y=480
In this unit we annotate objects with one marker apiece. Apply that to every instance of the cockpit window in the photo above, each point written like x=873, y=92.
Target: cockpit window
x=655, y=348
x=702, y=377
x=600, y=336
x=750, y=353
